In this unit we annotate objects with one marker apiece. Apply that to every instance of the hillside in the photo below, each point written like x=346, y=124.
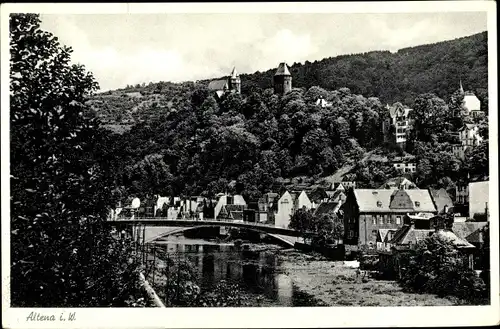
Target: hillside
x=395, y=77
x=391, y=77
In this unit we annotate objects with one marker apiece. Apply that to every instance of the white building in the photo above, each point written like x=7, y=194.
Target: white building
x=399, y=122
x=478, y=198
x=469, y=138
x=228, y=200
x=472, y=104
x=288, y=204
x=405, y=164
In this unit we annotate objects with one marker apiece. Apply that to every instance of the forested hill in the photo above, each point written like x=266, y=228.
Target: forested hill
x=401, y=76
x=391, y=77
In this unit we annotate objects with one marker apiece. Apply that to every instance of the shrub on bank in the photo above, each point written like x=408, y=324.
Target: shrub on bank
x=436, y=266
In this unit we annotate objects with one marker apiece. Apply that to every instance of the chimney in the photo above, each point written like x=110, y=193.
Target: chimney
x=440, y=225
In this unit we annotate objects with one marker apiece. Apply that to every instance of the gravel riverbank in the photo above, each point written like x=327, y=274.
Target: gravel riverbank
x=333, y=284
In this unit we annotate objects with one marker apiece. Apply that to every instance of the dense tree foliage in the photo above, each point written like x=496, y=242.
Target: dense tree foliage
x=395, y=77
x=436, y=266
x=251, y=140
x=320, y=230
x=61, y=254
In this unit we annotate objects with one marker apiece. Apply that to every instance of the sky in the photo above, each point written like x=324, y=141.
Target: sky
x=121, y=49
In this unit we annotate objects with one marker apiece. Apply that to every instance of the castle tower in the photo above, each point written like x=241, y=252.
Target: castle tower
x=235, y=81
x=282, y=79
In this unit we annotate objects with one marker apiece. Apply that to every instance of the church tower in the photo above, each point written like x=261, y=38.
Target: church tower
x=282, y=80
x=235, y=81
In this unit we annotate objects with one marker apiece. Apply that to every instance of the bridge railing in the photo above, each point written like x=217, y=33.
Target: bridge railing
x=194, y=220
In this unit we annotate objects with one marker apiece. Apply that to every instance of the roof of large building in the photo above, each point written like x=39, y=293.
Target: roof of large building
x=282, y=69
x=379, y=200
x=218, y=85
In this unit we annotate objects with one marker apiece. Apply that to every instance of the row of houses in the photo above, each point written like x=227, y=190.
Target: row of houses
x=271, y=208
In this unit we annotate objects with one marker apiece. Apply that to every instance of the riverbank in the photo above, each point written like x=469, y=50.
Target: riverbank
x=333, y=284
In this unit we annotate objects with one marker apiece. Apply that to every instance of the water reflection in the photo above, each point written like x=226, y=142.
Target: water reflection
x=256, y=272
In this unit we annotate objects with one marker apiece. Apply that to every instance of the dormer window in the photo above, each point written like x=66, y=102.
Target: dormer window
x=379, y=204
x=417, y=204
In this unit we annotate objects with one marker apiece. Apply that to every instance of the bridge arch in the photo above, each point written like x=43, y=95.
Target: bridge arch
x=289, y=240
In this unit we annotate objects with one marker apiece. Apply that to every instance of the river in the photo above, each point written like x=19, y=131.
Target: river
x=256, y=268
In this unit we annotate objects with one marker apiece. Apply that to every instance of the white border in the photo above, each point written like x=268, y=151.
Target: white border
x=278, y=317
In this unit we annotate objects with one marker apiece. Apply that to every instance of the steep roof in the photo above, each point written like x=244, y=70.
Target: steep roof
x=218, y=85
x=441, y=199
x=234, y=73
x=468, y=126
x=470, y=231
x=326, y=208
x=282, y=69
x=407, y=235
x=379, y=200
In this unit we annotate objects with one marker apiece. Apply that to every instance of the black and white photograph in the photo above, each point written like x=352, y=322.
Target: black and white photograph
x=207, y=158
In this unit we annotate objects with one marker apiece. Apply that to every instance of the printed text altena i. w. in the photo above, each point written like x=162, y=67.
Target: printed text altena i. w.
x=35, y=316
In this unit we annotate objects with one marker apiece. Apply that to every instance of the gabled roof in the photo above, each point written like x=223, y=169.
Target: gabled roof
x=379, y=200
x=218, y=85
x=282, y=69
x=470, y=231
x=441, y=199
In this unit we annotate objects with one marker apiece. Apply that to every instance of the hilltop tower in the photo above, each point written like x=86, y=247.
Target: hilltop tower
x=282, y=80
x=235, y=81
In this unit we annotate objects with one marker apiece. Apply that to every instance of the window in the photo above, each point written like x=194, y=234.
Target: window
x=389, y=219
x=284, y=201
x=374, y=220
x=381, y=220
x=417, y=204
x=398, y=220
x=379, y=204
